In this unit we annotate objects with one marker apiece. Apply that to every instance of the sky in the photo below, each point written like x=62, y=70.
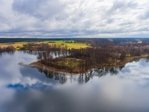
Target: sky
x=74, y=18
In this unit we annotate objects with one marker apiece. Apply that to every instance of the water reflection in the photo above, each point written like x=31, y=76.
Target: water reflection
x=6, y=52
x=25, y=89
x=81, y=78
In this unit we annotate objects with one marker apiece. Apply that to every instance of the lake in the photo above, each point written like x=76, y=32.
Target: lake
x=26, y=89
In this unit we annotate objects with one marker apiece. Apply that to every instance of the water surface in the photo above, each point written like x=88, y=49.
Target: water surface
x=26, y=89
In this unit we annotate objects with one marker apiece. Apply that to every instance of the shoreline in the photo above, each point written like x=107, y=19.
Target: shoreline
x=39, y=65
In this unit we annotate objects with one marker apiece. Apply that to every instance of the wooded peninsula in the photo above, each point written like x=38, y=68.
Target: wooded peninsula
x=80, y=56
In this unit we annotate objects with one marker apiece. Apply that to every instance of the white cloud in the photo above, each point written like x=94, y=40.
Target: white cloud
x=97, y=18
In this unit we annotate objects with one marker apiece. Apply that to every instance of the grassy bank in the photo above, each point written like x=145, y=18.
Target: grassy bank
x=67, y=65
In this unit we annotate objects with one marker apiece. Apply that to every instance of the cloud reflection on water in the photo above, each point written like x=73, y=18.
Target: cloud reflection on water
x=128, y=89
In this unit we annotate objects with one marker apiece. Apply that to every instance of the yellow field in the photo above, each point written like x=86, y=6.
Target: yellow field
x=16, y=45
x=67, y=44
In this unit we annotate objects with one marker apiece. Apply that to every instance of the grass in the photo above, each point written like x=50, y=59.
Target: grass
x=63, y=65
x=69, y=62
x=71, y=65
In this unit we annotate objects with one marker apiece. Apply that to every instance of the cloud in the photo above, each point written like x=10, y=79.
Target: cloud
x=41, y=9
x=96, y=18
